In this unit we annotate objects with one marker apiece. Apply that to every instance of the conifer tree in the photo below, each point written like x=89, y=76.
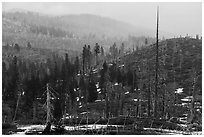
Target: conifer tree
x=97, y=51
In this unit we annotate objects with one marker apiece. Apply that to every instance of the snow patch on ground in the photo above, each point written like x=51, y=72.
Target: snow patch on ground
x=91, y=126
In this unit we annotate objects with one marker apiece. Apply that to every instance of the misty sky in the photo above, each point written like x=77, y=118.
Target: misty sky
x=176, y=18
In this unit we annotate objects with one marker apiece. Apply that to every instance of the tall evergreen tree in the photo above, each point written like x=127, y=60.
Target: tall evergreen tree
x=89, y=54
x=77, y=65
x=102, y=51
x=97, y=51
x=84, y=56
x=104, y=83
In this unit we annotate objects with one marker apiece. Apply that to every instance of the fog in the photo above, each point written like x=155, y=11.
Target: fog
x=177, y=18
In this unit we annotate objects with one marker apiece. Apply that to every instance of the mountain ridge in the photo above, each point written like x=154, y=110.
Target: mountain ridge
x=89, y=23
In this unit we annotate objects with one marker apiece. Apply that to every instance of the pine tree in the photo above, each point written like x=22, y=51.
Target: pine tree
x=102, y=51
x=84, y=56
x=89, y=54
x=92, y=95
x=77, y=65
x=104, y=84
x=97, y=51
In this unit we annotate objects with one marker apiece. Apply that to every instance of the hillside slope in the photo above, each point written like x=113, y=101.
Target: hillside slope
x=67, y=32
x=80, y=25
x=180, y=61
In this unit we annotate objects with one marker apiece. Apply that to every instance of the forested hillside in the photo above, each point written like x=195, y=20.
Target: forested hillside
x=69, y=32
x=121, y=84
x=79, y=25
x=90, y=69
x=180, y=62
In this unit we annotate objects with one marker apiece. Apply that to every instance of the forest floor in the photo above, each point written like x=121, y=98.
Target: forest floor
x=98, y=129
x=112, y=126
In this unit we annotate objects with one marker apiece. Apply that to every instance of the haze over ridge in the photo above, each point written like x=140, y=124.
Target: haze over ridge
x=177, y=18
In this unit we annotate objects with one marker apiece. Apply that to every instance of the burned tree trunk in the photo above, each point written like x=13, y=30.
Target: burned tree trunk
x=156, y=69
